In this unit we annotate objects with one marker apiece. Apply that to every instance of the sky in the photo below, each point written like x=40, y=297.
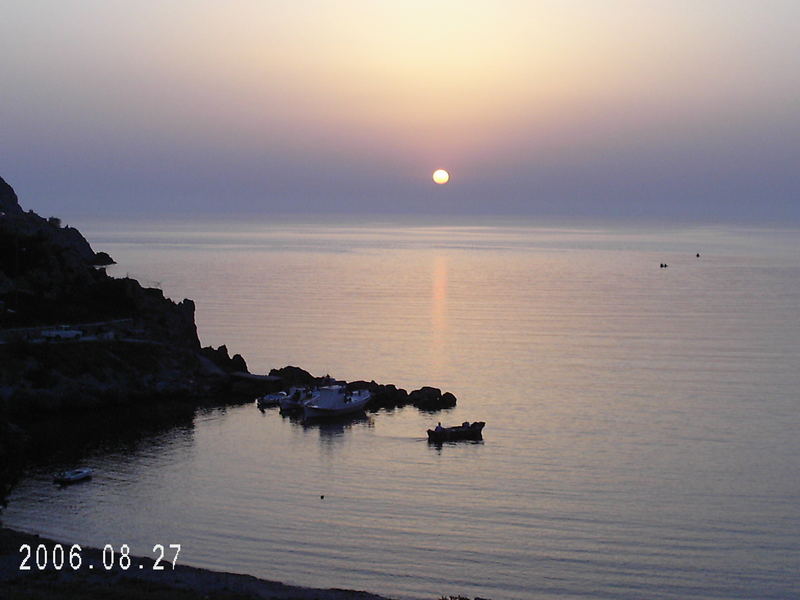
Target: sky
x=621, y=108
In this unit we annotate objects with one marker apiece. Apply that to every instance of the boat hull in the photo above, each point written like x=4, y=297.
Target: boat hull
x=473, y=431
x=297, y=401
x=313, y=412
x=74, y=476
x=270, y=400
x=326, y=409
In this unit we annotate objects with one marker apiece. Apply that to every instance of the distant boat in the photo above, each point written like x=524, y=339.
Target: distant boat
x=336, y=401
x=465, y=431
x=297, y=398
x=73, y=476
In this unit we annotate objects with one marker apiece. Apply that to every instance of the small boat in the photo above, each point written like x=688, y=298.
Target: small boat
x=73, y=476
x=297, y=398
x=268, y=400
x=465, y=431
x=336, y=401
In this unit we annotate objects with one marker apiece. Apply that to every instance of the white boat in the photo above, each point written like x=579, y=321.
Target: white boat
x=73, y=476
x=297, y=398
x=268, y=400
x=335, y=402
x=63, y=332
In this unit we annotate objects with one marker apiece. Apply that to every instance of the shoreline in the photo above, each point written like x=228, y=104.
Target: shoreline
x=182, y=583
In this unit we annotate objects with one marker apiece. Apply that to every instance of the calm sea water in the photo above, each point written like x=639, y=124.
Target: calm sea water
x=641, y=437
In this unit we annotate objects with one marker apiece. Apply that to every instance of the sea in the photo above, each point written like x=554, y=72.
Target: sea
x=642, y=421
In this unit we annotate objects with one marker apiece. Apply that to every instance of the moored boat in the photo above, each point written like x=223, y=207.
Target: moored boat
x=73, y=476
x=268, y=400
x=336, y=401
x=465, y=431
x=297, y=398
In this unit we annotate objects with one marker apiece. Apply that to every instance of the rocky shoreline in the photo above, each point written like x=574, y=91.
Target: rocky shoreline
x=74, y=338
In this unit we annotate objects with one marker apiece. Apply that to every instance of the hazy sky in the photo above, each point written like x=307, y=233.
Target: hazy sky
x=684, y=108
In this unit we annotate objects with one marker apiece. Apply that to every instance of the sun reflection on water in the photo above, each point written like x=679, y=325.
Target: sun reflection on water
x=439, y=329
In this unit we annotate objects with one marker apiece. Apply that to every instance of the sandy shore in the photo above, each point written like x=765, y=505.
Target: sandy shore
x=182, y=583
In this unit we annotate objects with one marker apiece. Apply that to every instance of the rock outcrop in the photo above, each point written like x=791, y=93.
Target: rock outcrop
x=389, y=396
x=295, y=376
x=9, y=205
x=77, y=338
x=431, y=398
x=220, y=358
x=102, y=259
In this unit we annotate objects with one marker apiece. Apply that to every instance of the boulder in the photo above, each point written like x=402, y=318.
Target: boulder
x=221, y=359
x=360, y=384
x=389, y=397
x=447, y=400
x=425, y=395
x=102, y=259
x=431, y=398
x=294, y=376
x=238, y=364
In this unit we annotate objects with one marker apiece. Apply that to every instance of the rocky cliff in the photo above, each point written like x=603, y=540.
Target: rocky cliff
x=8, y=199
x=74, y=337
x=74, y=340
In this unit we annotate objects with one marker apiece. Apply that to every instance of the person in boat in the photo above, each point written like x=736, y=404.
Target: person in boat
x=439, y=427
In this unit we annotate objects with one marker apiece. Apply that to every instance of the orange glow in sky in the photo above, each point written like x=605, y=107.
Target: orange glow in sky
x=532, y=100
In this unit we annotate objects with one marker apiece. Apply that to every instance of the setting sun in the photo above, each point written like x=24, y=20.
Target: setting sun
x=441, y=176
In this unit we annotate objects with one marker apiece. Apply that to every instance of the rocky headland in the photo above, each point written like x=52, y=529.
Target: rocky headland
x=75, y=341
